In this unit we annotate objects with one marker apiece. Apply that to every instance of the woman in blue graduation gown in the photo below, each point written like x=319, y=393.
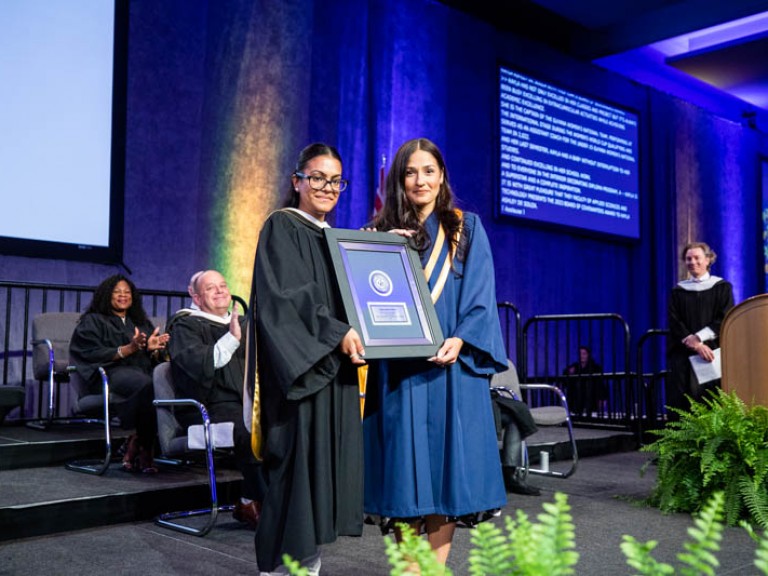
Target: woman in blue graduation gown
x=431, y=452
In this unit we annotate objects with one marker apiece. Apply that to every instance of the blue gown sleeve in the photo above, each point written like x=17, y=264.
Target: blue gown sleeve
x=478, y=316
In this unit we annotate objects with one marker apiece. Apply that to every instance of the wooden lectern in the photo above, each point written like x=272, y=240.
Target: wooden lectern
x=744, y=350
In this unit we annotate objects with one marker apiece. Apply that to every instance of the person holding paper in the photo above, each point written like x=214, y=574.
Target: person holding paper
x=207, y=363
x=431, y=453
x=697, y=308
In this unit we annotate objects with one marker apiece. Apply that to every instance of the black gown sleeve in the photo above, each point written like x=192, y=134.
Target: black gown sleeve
x=96, y=339
x=92, y=345
x=295, y=289
x=191, y=348
x=191, y=359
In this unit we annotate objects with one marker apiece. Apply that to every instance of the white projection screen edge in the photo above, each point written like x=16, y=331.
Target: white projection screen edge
x=62, y=146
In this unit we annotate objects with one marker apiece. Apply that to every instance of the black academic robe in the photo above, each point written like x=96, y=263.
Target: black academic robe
x=690, y=311
x=191, y=347
x=95, y=341
x=310, y=406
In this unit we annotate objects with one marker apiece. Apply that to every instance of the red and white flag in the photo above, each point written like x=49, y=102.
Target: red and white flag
x=378, y=200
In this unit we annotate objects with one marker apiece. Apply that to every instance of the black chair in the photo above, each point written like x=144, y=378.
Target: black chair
x=52, y=332
x=554, y=413
x=11, y=397
x=173, y=437
x=88, y=403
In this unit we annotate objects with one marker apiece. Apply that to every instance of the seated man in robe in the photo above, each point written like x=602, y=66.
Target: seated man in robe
x=208, y=363
x=513, y=423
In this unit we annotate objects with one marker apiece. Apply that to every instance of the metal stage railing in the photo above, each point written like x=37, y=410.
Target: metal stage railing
x=20, y=302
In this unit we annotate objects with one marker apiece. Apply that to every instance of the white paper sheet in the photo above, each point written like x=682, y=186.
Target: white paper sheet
x=706, y=371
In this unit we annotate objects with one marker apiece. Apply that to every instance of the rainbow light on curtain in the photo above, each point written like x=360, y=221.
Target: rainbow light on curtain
x=255, y=115
x=250, y=195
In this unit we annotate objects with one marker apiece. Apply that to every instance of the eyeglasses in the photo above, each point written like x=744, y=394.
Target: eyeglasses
x=317, y=182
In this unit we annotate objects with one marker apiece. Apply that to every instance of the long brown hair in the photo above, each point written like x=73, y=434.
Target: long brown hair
x=398, y=212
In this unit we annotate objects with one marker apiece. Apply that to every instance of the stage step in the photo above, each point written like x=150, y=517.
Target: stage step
x=39, y=496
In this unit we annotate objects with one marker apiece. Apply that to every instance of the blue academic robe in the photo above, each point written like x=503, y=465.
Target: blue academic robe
x=430, y=440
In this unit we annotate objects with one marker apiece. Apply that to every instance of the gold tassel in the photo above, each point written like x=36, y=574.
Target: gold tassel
x=362, y=382
x=256, y=435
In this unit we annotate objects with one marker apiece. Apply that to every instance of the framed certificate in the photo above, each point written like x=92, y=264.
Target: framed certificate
x=385, y=294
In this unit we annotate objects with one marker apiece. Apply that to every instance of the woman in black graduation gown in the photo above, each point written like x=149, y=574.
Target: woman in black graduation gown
x=697, y=308
x=115, y=332
x=307, y=357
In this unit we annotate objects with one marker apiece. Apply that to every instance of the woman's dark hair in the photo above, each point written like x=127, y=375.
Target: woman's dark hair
x=311, y=151
x=102, y=300
x=398, y=212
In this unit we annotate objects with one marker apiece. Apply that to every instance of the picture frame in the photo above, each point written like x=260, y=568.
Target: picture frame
x=385, y=294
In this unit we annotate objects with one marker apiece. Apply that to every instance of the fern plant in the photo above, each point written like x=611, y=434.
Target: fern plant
x=413, y=555
x=548, y=547
x=761, y=554
x=699, y=556
x=528, y=548
x=719, y=445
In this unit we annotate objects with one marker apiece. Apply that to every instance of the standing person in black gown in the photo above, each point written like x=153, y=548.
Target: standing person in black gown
x=115, y=332
x=308, y=354
x=697, y=308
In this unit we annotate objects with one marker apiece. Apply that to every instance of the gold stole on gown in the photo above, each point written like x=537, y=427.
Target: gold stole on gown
x=251, y=396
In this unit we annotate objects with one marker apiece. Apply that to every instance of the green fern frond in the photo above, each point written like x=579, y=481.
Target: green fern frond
x=639, y=557
x=755, y=497
x=491, y=554
x=761, y=554
x=410, y=552
x=556, y=530
x=733, y=508
x=706, y=534
x=294, y=566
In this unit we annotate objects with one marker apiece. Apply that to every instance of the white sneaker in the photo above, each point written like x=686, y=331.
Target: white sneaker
x=281, y=570
x=312, y=564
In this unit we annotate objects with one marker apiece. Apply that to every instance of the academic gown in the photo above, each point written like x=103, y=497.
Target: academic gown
x=690, y=311
x=95, y=341
x=193, y=338
x=191, y=347
x=310, y=406
x=430, y=438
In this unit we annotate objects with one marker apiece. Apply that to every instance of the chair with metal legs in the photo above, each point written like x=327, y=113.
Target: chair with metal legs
x=554, y=414
x=52, y=332
x=174, y=446
x=94, y=403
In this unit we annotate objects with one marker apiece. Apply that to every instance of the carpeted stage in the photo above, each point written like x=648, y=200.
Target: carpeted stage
x=54, y=521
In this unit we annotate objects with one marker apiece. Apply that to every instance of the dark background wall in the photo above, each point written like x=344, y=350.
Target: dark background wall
x=223, y=95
